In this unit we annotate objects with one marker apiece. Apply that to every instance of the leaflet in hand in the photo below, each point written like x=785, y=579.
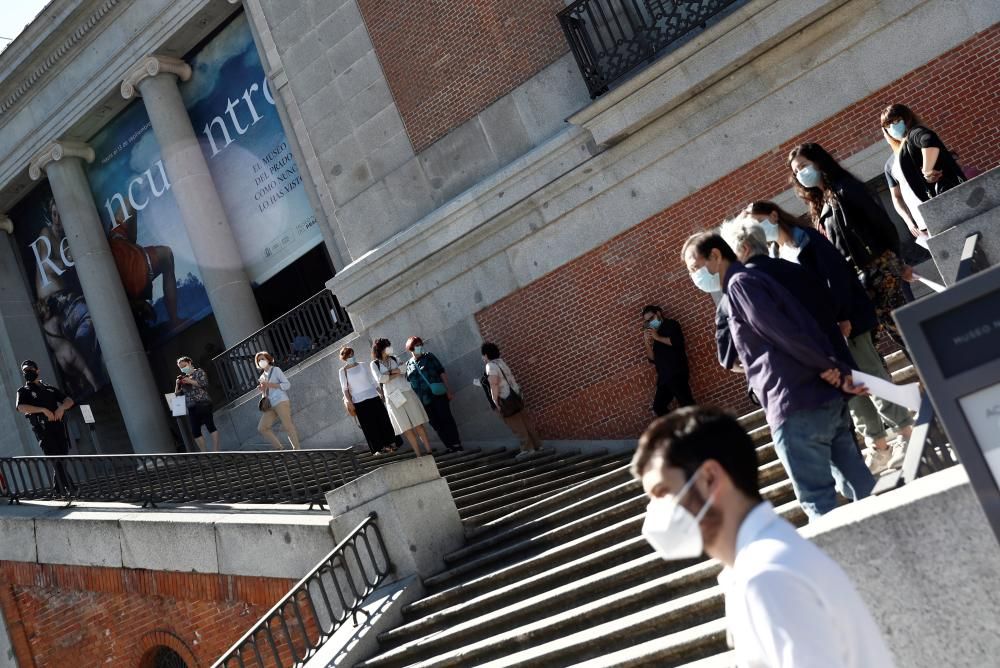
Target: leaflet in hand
x=907, y=395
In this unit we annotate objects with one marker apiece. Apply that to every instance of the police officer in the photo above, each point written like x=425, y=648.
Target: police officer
x=45, y=406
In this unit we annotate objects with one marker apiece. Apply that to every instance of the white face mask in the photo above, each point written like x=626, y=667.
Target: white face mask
x=705, y=280
x=788, y=252
x=388, y=351
x=671, y=529
x=263, y=364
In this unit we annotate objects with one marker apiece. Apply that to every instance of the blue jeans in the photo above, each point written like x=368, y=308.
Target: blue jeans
x=818, y=451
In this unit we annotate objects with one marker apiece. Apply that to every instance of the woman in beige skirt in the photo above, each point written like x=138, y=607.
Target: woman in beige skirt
x=406, y=412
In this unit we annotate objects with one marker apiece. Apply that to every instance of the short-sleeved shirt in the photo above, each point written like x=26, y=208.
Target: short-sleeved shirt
x=421, y=373
x=670, y=360
x=39, y=395
x=500, y=369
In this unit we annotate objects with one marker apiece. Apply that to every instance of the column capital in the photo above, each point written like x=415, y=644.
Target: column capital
x=6, y=224
x=150, y=66
x=57, y=150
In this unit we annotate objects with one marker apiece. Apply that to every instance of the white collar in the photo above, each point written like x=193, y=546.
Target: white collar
x=757, y=520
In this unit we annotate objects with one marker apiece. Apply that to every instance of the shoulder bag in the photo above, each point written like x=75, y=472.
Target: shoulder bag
x=264, y=405
x=349, y=399
x=437, y=389
x=513, y=403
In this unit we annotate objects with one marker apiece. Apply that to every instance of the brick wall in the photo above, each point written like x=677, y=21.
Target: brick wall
x=446, y=60
x=61, y=616
x=573, y=336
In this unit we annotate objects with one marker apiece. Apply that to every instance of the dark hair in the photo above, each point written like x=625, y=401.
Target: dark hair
x=901, y=112
x=185, y=359
x=830, y=170
x=491, y=350
x=688, y=437
x=346, y=352
x=379, y=346
x=413, y=341
x=786, y=220
x=652, y=308
x=706, y=242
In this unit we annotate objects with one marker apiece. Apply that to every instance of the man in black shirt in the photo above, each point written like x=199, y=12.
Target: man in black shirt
x=665, y=349
x=45, y=406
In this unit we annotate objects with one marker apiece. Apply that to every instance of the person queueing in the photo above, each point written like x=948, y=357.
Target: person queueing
x=794, y=372
x=664, y=345
x=430, y=381
x=274, y=385
x=44, y=406
x=505, y=397
x=856, y=317
x=361, y=399
x=920, y=167
x=406, y=411
x=192, y=384
x=857, y=225
x=788, y=604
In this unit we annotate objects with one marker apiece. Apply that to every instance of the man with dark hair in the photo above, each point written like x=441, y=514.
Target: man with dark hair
x=664, y=344
x=45, y=406
x=794, y=371
x=788, y=605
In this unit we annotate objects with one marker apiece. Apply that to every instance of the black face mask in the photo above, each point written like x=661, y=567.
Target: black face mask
x=30, y=375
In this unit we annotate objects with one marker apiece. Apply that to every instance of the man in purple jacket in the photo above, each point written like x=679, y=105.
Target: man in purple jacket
x=792, y=368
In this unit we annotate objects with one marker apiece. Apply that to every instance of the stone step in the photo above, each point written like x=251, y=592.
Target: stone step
x=549, y=616
x=533, y=493
x=661, y=651
x=543, y=470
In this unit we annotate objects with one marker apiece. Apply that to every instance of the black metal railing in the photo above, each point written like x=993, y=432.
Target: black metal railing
x=333, y=592
x=610, y=38
x=316, y=323
x=288, y=476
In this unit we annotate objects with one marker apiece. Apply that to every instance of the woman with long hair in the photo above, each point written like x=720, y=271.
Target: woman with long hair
x=801, y=242
x=406, y=412
x=857, y=226
x=920, y=167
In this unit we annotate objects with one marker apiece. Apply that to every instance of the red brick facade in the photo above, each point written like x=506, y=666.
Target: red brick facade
x=62, y=616
x=573, y=336
x=447, y=60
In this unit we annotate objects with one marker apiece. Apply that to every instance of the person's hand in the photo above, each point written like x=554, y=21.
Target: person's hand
x=908, y=273
x=933, y=176
x=58, y=415
x=849, y=387
x=451, y=395
x=832, y=376
x=49, y=415
x=845, y=328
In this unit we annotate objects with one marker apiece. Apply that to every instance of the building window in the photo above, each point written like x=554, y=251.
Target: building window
x=163, y=657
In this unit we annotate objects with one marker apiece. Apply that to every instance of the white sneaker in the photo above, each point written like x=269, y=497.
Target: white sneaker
x=898, y=455
x=878, y=460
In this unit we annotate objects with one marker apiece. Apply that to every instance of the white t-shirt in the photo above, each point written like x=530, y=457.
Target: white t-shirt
x=910, y=199
x=494, y=367
x=789, y=605
x=359, y=378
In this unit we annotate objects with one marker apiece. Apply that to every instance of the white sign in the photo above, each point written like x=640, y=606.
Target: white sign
x=88, y=415
x=982, y=410
x=177, y=404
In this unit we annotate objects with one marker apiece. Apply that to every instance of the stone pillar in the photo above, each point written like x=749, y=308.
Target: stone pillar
x=20, y=339
x=215, y=250
x=141, y=403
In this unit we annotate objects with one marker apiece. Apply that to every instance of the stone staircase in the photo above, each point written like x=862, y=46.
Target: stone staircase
x=556, y=573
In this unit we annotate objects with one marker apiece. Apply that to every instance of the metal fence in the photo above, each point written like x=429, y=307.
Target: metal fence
x=610, y=38
x=333, y=592
x=287, y=476
x=296, y=336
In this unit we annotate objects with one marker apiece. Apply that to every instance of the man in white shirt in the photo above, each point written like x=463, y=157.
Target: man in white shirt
x=788, y=605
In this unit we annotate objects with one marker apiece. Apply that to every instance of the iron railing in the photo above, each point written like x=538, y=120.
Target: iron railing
x=288, y=476
x=610, y=38
x=334, y=591
x=307, y=329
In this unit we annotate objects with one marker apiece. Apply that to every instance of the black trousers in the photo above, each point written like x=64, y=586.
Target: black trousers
x=668, y=389
x=443, y=422
x=53, y=442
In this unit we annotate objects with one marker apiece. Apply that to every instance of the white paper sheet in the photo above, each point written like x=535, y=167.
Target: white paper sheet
x=88, y=415
x=936, y=287
x=922, y=242
x=905, y=395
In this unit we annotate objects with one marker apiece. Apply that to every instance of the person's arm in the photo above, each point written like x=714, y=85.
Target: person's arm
x=380, y=376
x=342, y=374
x=665, y=334
x=929, y=169
x=282, y=380
x=28, y=409
x=65, y=405
x=647, y=342
x=904, y=211
x=495, y=390
x=790, y=623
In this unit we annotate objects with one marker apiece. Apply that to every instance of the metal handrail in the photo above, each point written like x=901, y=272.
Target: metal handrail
x=610, y=38
x=297, y=626
x=294, y=337
x=287, y=476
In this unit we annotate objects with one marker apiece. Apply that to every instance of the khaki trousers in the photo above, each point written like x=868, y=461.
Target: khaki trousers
x=283, y=412
x=523, y=426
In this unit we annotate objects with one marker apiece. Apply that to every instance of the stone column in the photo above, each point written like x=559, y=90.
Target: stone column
x=20, y=339
x=215, y=250
x=141, y=403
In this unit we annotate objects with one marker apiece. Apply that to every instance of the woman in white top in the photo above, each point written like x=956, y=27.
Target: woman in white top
x=362, y=400
x=405, y=409
x=274, y=385
x=500, y=383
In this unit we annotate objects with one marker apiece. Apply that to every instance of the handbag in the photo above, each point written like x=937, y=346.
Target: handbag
x=349, y=399
x=397, y=398
x=264, y=405
x=437, y=389
x=513, y=403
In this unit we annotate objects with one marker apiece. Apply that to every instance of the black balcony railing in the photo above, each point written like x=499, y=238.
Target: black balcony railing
x=333, y=592
x=610, y=38
x=288, y=476
x=307, y=329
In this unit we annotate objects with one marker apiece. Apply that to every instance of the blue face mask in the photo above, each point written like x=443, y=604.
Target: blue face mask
x=655, y=323
x=770, y=230
x=706, y=281
x=809, y=177
x=350, y=360
x=418, y=350
x=897, y=130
